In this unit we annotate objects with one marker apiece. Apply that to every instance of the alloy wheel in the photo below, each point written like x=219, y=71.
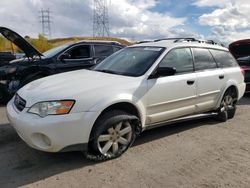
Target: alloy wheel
x=228, y=102
x=115, y=139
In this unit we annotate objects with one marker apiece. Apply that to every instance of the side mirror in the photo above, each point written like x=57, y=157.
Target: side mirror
x=65, y=56
x=163, y=71
x=98, y=60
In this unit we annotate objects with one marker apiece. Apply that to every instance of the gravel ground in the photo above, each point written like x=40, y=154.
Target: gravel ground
x=198, y=153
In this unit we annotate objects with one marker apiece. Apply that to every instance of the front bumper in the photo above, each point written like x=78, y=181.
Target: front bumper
x=52, y=133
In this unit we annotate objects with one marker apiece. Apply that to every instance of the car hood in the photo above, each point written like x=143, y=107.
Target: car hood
x=240, y=48
x=19, y=41
x=81, y=85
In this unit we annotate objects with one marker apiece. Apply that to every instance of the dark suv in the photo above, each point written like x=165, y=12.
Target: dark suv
x=35, y=65
x=241, y=51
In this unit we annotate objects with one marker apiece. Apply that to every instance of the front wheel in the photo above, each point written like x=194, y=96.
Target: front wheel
x=227, y=107
x=113, y=134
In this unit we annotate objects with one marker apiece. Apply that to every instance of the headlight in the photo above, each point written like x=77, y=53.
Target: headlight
x=44, y=109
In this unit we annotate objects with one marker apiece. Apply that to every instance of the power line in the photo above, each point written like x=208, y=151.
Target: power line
x=100, y=19
x=45, y=20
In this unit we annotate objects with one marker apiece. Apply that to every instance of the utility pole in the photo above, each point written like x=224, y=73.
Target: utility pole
x=45, y=20
x=100, y=19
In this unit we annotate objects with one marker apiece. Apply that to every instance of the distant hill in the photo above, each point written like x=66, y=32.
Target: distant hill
x=43, y=44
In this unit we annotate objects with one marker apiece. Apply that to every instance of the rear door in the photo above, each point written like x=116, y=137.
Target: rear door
x=172, y=96
x=210, y=79
x=102, y=51
x=230, y=66
x=77, y=57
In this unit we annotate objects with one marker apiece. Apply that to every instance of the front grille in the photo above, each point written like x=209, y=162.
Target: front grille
x=19, y=102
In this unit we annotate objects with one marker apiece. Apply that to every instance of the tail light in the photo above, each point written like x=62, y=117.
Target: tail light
x=242, y=71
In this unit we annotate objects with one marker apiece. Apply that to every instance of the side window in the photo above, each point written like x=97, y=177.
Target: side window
x=79, y=52
x=116, y=48
x=203, y=59
x=224, y=59
x=103, y=50
x=181, y=59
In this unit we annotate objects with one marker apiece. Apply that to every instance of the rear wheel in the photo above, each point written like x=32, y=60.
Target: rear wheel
x=113, y=133
x=227, y=107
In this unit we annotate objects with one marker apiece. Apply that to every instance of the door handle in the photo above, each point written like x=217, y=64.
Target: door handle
x=190, y=82
x=221, y=76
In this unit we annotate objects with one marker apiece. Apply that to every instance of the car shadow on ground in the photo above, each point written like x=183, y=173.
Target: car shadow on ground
x=245, y=100
x=22, y=165
x=175, y=128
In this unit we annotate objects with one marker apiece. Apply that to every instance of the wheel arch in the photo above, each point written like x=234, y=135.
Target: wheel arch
x=123, y=106
x=228, y=86
x=126, y=106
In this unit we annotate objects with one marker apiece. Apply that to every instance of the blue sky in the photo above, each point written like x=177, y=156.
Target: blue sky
x=185, y=8
x=224, y=20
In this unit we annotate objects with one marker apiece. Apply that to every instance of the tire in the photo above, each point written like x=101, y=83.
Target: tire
x=227, y=107
x=113, y=133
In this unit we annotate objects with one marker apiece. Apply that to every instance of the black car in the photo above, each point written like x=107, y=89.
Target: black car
x=35, y=65
x=241, y=51
x=244, y=62
x=6, y=57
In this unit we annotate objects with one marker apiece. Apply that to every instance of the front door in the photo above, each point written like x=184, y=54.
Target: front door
x=172, y=96
x=77, y=57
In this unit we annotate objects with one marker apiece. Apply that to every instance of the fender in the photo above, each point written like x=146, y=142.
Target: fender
x=106, y=102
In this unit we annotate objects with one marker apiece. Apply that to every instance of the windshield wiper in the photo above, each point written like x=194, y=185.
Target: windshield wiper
x=108, y=71
x=114, y=72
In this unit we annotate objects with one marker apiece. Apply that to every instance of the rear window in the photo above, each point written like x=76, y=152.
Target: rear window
x=103, y=50
x=224, y=59
x=203, y=59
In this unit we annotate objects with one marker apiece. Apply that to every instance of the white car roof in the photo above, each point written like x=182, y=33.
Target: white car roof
x=169, y=44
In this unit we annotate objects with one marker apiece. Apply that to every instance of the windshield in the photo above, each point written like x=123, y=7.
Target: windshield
x=131, y=61
x=54, y=51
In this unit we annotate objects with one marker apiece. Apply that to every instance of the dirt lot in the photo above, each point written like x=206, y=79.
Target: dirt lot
x=201, y=153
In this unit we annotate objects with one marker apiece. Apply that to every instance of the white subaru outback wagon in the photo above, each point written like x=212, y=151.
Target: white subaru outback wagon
x=102, y=110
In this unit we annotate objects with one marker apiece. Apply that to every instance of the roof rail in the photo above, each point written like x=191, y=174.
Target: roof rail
x=187, y=39
x=100, y=41
x=158, y=40
x=199, y=41
x=144, y=41
x=175, y=39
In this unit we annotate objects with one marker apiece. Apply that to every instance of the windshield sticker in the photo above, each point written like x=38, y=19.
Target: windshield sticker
x=152, y=49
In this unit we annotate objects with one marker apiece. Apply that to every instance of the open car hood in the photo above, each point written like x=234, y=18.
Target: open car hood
x=240, y=48
x=19, y=41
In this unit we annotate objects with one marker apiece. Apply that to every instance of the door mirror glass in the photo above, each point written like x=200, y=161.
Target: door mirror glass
x=164, y=71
